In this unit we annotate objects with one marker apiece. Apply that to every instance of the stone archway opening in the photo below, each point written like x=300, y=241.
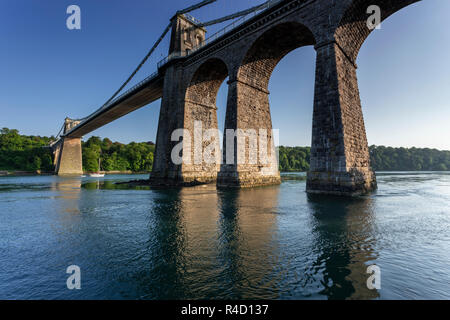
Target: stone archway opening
x=352, y=30
x=267, y=51
x=400, y=81
x=291, y=98
x=279, y=48
x=206, y=81
x=203, y=162
x=248, y=107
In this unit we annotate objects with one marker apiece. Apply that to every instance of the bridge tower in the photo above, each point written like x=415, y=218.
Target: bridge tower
x=186, y=34
x=67, y=151
x=178, y=113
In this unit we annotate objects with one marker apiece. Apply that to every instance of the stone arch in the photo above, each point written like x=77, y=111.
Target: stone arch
x=206, y=81
x=352, y=30
x=200, y=119
x=269, y=48
x=248, y=109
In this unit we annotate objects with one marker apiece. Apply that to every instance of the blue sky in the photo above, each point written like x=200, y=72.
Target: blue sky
x=49, y=72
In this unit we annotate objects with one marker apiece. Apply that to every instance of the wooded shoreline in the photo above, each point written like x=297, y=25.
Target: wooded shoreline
x=30, y=155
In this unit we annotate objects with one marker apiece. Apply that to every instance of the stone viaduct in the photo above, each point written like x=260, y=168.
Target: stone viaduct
x=189, y=79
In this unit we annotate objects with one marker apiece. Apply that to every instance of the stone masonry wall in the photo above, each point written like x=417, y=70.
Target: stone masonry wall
x=70, y=161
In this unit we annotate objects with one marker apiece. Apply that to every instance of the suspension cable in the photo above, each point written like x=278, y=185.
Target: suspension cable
x=196, y=6
x=140, y=64
x=237, y=14
x=60, y=130
x=189, y=9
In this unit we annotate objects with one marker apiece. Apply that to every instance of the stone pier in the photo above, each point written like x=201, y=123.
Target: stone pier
x=68, y=154
x=340, y=160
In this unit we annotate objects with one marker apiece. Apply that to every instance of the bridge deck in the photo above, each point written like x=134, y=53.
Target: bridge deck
x=139, y=96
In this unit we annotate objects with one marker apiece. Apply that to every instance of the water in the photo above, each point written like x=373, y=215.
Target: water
x=271, y=242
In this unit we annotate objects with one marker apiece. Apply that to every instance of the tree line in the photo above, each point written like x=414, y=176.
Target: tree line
x=31, y=153
x=382, y=159
x=115, y=156
x=24, y=153
x=408, y=159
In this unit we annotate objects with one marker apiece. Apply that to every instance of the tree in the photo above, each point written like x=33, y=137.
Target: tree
x=90, y=160
x=20, y=152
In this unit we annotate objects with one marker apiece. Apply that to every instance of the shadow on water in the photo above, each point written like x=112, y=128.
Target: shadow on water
x=343, y=231
x=166, y=247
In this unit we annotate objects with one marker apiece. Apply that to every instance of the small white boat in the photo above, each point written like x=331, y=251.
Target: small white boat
x=97, y=175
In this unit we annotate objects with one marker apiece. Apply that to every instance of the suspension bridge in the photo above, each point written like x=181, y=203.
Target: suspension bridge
x=246, y=51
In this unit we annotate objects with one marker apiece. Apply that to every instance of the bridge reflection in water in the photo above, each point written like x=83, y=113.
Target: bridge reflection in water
x=67, y=195
x=271, y=242
x=202, y=242
x=345, y=244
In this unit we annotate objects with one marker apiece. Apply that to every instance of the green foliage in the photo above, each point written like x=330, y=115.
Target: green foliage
x=115, y=156
x=382, y=159
x=24, y=153
x=412, y=159
x=294, y=158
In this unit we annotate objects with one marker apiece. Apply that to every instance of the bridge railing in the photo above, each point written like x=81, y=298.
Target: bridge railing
x=170, y=57
x=136, y=86
x=192, y=19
